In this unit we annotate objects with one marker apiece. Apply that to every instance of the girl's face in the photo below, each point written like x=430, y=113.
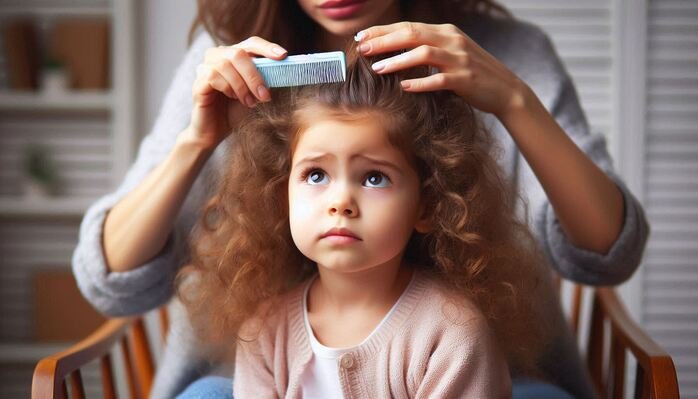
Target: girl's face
x=346, y=17
x=353, y=197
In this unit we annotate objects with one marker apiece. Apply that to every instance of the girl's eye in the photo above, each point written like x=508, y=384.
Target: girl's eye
x=377, y=179
x=316, y=177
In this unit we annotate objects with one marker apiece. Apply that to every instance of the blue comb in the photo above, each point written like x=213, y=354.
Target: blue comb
x=301, y=70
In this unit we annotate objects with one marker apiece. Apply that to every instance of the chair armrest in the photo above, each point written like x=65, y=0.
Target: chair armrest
x=656, y=375
x=128, y=334
x=51, y=371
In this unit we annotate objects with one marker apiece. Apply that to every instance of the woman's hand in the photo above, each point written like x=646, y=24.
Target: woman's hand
x=588, y=205
x=226, y=83
x=463, y=66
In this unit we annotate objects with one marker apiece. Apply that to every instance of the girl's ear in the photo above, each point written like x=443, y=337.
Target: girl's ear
x=423, y=224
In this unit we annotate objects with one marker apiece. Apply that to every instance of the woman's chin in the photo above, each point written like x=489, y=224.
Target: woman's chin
x=346, y=29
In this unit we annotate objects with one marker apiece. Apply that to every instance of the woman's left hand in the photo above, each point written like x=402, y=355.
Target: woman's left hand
x=463, y=66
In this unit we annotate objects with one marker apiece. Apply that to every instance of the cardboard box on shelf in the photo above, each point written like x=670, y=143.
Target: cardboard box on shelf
x=82, y=46
x=61, y=313
x=21, y=53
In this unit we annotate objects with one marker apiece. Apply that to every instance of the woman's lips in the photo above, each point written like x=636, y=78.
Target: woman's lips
x=341, y=9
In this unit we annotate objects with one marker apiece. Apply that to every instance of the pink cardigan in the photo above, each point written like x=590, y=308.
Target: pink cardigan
x=432, y=346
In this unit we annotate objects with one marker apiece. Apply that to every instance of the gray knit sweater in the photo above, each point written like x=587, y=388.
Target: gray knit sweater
x=526, y=50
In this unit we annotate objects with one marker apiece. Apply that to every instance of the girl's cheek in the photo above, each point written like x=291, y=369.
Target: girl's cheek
x=302, y=202
x=302, y=209
x=386, y=196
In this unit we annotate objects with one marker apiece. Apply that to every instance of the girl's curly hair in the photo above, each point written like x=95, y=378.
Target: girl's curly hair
x=243, y=254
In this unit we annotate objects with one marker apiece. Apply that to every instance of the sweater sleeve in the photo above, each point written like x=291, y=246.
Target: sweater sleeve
x=465, y=363
x=554, y=86
x=149, y=285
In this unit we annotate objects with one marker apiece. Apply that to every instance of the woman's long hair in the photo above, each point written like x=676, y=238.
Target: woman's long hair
x=284, y=22
x=243, y=254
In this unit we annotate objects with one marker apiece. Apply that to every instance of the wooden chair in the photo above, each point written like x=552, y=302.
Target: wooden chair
x=655, y=375
x=128, y=334
x=611, y=334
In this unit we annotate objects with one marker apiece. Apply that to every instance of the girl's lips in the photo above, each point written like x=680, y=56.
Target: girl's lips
x=341, y=9
x=340, y=236
x=339, y=239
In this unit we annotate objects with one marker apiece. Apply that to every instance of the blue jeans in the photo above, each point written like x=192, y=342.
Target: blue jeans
x=215, y=387
x=532, y=389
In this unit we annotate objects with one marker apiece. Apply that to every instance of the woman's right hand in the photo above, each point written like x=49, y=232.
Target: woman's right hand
x=227, y=84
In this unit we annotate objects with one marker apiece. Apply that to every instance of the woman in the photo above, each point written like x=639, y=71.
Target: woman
x=590, y=226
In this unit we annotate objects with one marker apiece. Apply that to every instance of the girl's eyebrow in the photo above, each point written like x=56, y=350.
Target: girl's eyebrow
x=322, y=157
x=377, y=161
x=312, y=159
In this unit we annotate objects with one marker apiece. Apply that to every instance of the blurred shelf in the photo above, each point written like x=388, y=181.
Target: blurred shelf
x=69, y=101
x=22, y=10
x=42, y=207
x=29, y=352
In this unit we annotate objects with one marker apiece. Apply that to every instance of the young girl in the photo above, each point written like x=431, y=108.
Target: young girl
x=362, y=243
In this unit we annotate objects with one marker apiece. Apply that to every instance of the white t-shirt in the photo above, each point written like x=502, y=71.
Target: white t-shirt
x=320, y=380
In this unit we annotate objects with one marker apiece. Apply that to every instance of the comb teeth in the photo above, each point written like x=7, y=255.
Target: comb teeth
x=300, y=70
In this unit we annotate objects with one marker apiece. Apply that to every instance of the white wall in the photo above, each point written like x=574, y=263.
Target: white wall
x=162, y=41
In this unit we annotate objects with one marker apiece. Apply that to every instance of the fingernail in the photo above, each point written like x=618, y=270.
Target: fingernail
x=405, y=85
x=359, y=36
x=249, y=100
x=278, y=50
x=263, y=93
x=363, y=48
x=378, y=66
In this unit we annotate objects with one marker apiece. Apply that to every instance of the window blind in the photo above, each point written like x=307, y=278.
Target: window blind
x=670, y=292
x=581, y=33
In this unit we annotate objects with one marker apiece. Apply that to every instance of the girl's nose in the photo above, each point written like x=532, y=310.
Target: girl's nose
x=347, y=211
x=343, y=204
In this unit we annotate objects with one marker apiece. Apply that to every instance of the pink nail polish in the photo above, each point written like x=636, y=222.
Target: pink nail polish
x=263, y=93
x=378, y=66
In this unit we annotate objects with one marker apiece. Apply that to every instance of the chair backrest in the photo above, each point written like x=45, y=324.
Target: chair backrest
x=612, y=335
x=55, y=373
